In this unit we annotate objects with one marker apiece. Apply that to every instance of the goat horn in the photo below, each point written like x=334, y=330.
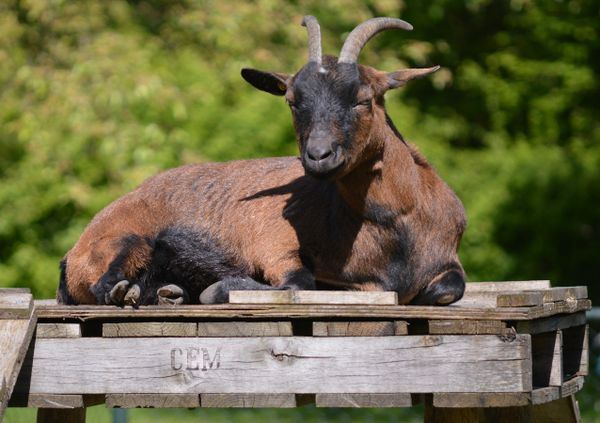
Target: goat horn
x=314, y=39
x=364, y=32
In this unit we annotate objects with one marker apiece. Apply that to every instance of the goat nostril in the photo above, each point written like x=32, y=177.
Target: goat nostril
x=318, y=154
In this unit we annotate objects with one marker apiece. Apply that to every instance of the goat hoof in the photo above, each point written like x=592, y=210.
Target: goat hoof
x=214, y=294
x=117, y=293
x=132, y=297
x=171, y=295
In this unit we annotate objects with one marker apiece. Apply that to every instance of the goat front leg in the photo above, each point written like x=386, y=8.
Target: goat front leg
x=293, y=276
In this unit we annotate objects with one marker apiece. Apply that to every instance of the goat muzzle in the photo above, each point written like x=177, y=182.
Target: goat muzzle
x=321, y=158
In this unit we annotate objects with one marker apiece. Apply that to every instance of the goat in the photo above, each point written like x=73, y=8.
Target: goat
x=360, y=209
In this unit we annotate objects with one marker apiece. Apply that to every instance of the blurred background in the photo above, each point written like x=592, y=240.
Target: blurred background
x=97, y=96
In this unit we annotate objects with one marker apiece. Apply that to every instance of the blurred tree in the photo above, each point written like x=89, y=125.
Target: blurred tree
x=97, y=96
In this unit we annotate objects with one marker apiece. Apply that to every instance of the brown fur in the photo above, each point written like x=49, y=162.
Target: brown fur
x=265, y=213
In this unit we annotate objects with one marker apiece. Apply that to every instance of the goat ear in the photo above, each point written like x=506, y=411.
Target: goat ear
x=401, y=77
x=271, y=82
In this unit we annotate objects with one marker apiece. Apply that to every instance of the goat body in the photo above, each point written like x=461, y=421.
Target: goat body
x=360, y=209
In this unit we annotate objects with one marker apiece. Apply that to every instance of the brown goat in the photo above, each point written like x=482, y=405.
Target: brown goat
x=360, y=209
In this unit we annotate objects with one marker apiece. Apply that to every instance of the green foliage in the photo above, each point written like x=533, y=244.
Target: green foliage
x=97, y=96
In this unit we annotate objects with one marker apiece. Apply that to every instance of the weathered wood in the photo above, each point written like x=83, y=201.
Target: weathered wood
x=378, y=328
x=550, y=324
x=506, y=286
x=291, y=311
x=15, y=336
x=248, y=400
x=145, y=329
x=575, y=351
x=479, y=399
x=58, y=330
x=313, y=297
x=544, y=395
x=546, y=351
x=520, y=299
x=399, y=364
x=15, y=303
x=152, y=401
x=572, y=386
x=55, y=401
x=247, y=329
x=364, y=400
x=58, y=415
x=564, y=293
x=563, y=410
x=467, y=327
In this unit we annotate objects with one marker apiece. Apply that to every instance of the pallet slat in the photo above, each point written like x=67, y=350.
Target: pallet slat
x=17, y=324
x=313, y=297
x=377, y=328
x=152, y=401
x=284, y=365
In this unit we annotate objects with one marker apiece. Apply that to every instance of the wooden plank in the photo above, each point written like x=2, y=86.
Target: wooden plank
x=572, y=386
x=506, y=286
x=544, y=395
x=575, y=351
x=247, y=329
x=55, y=401
x=364, y=400
x=15, y=336
x=398, y=364
x=467, y=327
x=563, y=410
x=58, y=330
x=301, y=311
x=313, y=297
x=478, y=399
x=378, y=328
x=152, y=401
x=564, y=293
x=58, y=415
x=15, y=304
x=145, y=329
x=248, y=400
x=551, y=324
x=520, y=299
x=546, y=352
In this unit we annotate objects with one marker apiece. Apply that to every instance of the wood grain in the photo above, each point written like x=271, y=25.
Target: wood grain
x=248, y=400
x=145, y=329
x=467, y=327
x=399, y=364
x=58, y=330
x=55, y=401
x=274, y=311
x=152, y=401
x=15, y=336
x=379, y=328
x=15, y=303
x=313, y=297
x=245, y=329
x=506, y=286
x=364, y=400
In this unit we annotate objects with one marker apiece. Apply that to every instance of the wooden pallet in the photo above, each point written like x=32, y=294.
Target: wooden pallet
x=508, y=347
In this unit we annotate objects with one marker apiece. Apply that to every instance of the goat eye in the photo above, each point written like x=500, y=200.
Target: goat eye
x=364, y=103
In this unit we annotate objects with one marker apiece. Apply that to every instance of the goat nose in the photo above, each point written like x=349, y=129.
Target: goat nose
x=319, y=152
